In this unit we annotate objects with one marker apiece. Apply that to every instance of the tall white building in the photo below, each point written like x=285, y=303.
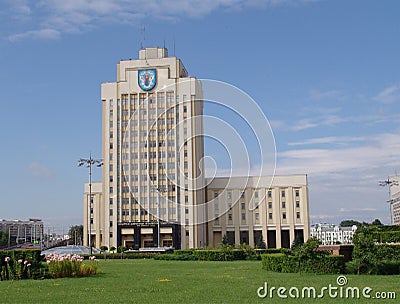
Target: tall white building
x=153, y=150
x=395, y=200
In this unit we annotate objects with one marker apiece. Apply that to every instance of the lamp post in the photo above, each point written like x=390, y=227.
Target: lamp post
x=390, y=183
x=88, y=162
x=159, y=189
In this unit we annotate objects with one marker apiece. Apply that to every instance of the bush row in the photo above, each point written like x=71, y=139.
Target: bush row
x=116, y=256
x=323, y=264
x=383, y=267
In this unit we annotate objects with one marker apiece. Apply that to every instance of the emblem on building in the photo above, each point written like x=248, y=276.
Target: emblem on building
x=147, y=79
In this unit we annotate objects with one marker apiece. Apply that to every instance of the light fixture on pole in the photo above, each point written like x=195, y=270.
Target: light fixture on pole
x=88, y=162
x=389, y=183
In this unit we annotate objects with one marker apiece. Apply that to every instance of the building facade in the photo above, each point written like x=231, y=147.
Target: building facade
x=395, y=200
x=330, y=234
x=273, y=212
x=152, y=154
x=153, y=192
x=29, y=231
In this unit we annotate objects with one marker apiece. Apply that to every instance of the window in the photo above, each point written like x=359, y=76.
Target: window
x=229, y=216
x=270, y=215
x=229, y=194
x=298, y=215
x=215, y=194
x=283, y=205
x=270, y=205
x=242, y=195
x=111, y=201
x=284, y=215
x=186, y=210
x=256, y=194
x=243, y=206
x=257, y=216
x=111, y=223
x=243, y=216
x=283, y=193
x=111, y=189
x=270, y=194
x=111, y=212
x=297, y=204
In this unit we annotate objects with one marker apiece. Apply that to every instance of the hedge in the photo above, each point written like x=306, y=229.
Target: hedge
x=219, y=255
x=324, y=264
x=116, y=256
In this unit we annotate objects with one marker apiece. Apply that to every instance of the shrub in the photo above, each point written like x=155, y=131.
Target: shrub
x=175, y=257
x=220, y=255
x=280, y=262
x=66, y=265
x=20, y=264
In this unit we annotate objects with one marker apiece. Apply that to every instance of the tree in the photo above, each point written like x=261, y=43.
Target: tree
x=364, y=253
x=224, y=240
x=349, y=223
x=261, y=243
x=306, y=251
x=377, y=222
x=3, y=238
x=112, y=249
x=103, y=248
x=298, y=241
x=76, y=234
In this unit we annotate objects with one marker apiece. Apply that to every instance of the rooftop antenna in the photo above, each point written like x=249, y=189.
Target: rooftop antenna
x=143, y=34
x=174, y=46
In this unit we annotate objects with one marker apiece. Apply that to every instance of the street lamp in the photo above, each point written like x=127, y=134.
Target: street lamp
x=390, y=183
x=88, y=162
x=159, y=189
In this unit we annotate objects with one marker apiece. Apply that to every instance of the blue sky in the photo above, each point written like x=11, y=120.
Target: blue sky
x=326, y=74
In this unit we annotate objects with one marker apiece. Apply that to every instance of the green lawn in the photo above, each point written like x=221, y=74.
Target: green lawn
x=150, y=281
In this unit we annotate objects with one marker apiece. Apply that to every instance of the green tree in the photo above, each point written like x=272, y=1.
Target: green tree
x=3, y=238
x=76, y=234
x=261, y=243
x=224, y=240
x=112, y=249
x=349, y=223
x=364, y=253
x=306, y=251
x=377, y=222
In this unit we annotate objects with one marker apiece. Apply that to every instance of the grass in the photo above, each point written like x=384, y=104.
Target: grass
x=150, y=281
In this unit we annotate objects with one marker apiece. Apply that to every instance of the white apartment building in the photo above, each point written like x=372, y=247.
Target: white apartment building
x=330, y=234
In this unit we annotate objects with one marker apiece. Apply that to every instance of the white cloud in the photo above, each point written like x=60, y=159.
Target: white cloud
x=389, y=95
x=329, y=140
x=322, y=95
x=38, y=170
x=39, y=34
x=80, y=15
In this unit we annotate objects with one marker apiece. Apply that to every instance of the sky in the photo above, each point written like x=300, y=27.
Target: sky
x=326, y=74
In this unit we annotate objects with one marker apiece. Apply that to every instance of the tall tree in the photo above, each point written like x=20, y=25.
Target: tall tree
x=76, y=234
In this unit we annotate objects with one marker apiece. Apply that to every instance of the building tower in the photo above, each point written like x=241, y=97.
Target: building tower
x=152, y=152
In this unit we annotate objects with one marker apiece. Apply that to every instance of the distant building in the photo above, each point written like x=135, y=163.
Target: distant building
x=330, y=234
x=395, y=199
x=23, y=231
